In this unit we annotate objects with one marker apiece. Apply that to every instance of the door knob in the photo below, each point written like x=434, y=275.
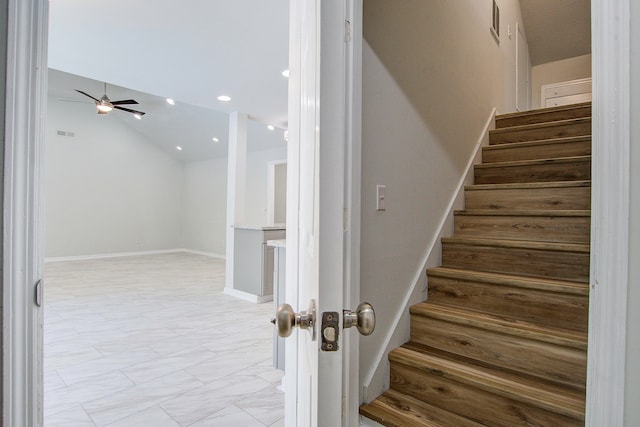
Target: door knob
x=286, y=319
x=364, y=318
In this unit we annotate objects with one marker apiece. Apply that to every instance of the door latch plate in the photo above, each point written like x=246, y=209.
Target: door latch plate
x=330, y=331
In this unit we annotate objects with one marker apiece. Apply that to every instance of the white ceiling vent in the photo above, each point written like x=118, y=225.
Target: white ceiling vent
x=66, y=133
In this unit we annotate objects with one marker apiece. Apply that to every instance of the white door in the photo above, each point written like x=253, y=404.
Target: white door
x=319, y=205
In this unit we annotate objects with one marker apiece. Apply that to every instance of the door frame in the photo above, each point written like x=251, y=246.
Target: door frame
x=609, y=280
x=22, y=256
x=24, y=111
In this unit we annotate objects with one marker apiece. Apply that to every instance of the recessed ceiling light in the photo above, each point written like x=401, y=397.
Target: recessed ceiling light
x=137, y=116
x=215, y=139
x=224, y=98
x=171, y=101
x=270, y=127
x=179, y=148
x=285, y=73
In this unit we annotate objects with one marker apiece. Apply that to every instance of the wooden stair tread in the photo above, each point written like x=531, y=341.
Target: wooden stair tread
x=525, y=244
x=502, y=325
x=528, y=185
x=550, y=141
x=529, y=212
x=559, y=399
x=395, y=409
x=551, y=285
x=541, y=111
x=543, y=125
x=519, y=163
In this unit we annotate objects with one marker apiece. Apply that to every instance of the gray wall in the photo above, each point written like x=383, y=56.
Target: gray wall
x=108, y=190
x=632, y=392
x=256, y=195
x=432, y=73
x=205, y=201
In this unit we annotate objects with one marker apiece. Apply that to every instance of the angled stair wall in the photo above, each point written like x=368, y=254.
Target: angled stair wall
x=501, y=340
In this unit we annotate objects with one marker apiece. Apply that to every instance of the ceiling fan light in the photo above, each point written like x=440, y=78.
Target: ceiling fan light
x=105, y=108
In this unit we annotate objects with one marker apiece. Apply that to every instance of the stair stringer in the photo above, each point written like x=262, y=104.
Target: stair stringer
x=376, y=380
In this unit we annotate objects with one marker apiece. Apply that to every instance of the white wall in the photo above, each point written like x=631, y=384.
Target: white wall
x=256, y=191
x=632, y=386
x=556, y=72
x=205, y=200
x=108, y=190
x=432, y=73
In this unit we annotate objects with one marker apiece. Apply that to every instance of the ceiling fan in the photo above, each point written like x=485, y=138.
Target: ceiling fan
x=105, y=105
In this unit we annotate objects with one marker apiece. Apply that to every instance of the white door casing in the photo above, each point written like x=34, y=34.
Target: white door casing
x=320, y=242
x=24, y=110
x=523, y=71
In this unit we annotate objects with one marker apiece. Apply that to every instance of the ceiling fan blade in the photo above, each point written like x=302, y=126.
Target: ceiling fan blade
x=86, y=94
x=124, y=101
x=128, y=110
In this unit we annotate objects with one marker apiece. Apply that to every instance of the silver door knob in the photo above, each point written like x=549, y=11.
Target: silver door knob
x=364, y=318
x=286, y=319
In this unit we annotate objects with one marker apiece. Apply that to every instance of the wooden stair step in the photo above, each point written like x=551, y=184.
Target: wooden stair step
x=556, y=355
x=394, y=409
x=566, y=195
x=544, y=149
x=544, y=170
x=556, y=303
x=486, y=395
x=542, y=115
x=542, y=225
x=563, y=261
x=539, y=131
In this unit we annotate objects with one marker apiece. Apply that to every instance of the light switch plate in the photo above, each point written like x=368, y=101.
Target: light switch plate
x=381, y=198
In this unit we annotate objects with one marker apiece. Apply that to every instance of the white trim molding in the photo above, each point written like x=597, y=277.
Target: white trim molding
x=609, y=213
x=246, y=296
x=24, y=113
x=129, y=254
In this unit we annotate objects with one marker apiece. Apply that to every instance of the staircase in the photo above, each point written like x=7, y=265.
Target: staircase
x=502, y=339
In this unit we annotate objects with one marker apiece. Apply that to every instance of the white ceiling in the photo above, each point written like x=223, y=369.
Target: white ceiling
x=557, y=29
x=191, y=51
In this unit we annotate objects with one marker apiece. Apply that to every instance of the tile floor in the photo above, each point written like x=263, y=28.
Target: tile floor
x=152, y=341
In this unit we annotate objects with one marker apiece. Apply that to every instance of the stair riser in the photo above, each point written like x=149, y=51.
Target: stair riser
x=539, y=133
x=549, y=172
x=508, y=153
x=562, y=365
x=530, y=305
x=476, y=404
x=551, y=116
x=534, y=228
x=573, y=266
x=569, y=198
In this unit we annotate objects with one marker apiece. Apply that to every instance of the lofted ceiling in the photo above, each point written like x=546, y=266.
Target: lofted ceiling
x=557, y=29
x=191, y=51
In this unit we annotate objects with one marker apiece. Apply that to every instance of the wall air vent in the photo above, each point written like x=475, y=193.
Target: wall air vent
x=66, y=133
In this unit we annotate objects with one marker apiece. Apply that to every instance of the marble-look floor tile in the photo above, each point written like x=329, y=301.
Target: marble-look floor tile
x=152, y=318
x=267, y=406
x=119, y=405
x=212, y=397
x=103, y=365
x=230, y=416
x=152, y=417
x=61, y=399
x=72, y=417
x=279, y=423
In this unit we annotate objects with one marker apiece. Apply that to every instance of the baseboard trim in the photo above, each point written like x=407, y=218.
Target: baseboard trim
x=130, y=254
x=209, y=254
x=111, y=255
x=376, y=379
x=256, y=299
